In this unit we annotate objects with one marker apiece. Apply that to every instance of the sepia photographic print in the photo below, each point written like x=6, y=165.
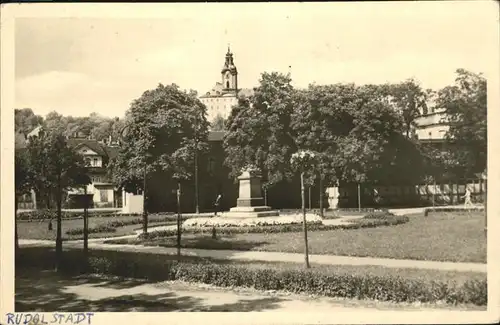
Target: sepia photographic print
x=306, y=162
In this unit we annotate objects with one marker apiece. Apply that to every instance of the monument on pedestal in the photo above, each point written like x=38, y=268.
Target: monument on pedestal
x=250, y=203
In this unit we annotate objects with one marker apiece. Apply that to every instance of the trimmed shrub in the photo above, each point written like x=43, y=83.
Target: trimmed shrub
x=452, y=209
x=111, y=226
x=92, y=230
x=38, y=215
x=310, y=281
x=380, y=215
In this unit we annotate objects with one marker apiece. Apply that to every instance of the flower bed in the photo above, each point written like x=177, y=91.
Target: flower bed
x=352, y=224
x=289, y=219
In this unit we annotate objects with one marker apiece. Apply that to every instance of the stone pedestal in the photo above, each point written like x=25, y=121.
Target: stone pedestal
x=250, y=203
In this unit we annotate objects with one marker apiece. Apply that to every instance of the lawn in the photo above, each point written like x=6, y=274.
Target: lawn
x=443, y=236
x=39, y=229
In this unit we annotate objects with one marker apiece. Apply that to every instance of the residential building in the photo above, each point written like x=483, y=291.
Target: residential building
x=432, y=127
x=97, y=155
x=224, y=95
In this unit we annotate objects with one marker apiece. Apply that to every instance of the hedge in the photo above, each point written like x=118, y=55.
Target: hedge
x=38, y=215
x=365, y=222
x=310, y=281
x=452, y=209
x=111, y=226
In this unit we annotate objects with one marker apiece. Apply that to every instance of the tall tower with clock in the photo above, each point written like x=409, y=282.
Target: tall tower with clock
x=229, y=73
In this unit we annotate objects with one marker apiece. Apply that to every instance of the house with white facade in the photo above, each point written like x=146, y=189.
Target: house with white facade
x=97, y=156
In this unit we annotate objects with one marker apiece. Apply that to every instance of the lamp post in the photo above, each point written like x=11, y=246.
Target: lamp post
x=196, y=197
x=144, y=210
x=303, y=196
x=485, y=178
x=85, y=223
x=303, y=160
x=359, y=197
x=179, y=219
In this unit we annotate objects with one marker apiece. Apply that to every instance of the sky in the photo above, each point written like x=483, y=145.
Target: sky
x=80, y=65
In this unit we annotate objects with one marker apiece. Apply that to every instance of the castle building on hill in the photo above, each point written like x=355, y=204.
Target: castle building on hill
x=224, y=95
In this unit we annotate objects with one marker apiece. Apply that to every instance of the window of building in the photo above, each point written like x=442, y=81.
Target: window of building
x=104, y=195
x=95, y=161
x=211, y=165
x=227, y=84
x=430, y=134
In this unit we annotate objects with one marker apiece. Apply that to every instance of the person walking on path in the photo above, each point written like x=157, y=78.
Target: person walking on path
x=217, y=203
x=468, y=201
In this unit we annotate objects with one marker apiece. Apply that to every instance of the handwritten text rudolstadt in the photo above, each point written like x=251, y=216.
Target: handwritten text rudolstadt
x=52, y=318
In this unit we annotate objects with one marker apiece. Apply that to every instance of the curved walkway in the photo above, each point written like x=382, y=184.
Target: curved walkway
x=273, y=256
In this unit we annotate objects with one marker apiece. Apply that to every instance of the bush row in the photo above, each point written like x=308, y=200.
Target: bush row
x=38, y=215
x=99, y=229
x=111, y=226
x=310, y=281
x=354, y=224
x=380, y=215
x=451, y=209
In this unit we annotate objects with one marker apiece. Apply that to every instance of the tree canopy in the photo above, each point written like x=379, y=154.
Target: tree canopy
x=26, y=120
x=54, y=165
x=93, y=126
x=259, y=129
x=356, y=131
x=466, y=108
x=165, y=128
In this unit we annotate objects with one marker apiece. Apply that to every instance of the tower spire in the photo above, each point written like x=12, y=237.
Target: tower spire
x=228, y=48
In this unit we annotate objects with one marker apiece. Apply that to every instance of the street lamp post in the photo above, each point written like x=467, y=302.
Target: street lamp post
x=179, y=219
x=196, y=194
x=85, y=223
x=303, y=192
x=485, y=177
x=196, y=181
x=144, y=210
x=301, y=161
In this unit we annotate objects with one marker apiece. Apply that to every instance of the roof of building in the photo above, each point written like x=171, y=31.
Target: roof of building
x=215, y=93
x=247, y=92
x=35, y=131
x=112, y=151
x=90, y=143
